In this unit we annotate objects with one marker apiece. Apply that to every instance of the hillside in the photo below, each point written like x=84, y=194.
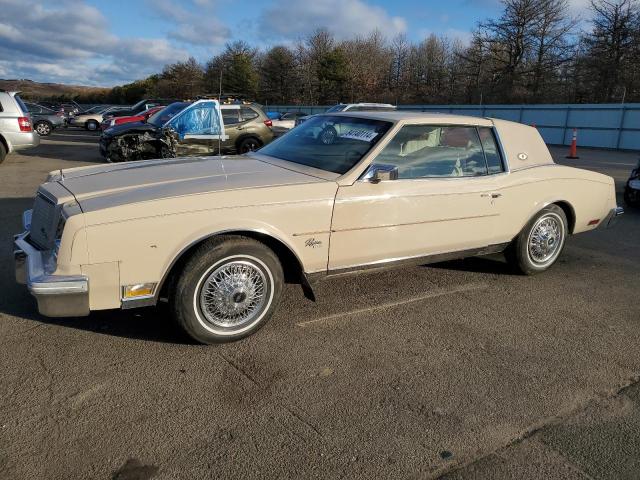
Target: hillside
x=52, y=91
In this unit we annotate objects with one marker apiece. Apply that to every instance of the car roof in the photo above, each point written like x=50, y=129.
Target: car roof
x=417, y=117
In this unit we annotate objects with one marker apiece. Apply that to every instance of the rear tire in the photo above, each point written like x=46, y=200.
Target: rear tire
x=43, y=128
x=91, y=125
x=249, y=145
x=540, y=242
x=3, y=152
x=227, y=290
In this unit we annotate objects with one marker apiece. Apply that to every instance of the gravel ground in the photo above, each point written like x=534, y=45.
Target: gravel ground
x=460, y=369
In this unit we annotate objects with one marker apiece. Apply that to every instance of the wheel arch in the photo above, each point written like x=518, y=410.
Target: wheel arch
x=569, y=212
x=566, y=207
x=291, y=264
x=244, y=136
x=5, y=143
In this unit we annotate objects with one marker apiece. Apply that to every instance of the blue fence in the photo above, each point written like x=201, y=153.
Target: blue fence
x=613, y=126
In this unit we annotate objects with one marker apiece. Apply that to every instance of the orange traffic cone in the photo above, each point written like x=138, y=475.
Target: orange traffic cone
x=573, y=150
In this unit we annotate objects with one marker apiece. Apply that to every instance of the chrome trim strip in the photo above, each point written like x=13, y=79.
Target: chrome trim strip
x=421, y=259
x=505, y=159
x=440, y=220
x=136, y=302
x=612, y=217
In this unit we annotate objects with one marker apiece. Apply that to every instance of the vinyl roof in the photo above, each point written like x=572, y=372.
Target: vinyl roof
x=418, y=117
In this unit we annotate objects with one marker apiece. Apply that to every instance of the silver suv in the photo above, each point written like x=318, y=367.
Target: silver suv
x=16, y=132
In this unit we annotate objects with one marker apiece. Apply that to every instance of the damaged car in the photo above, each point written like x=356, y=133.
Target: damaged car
x=189, y=129
x=632, y=188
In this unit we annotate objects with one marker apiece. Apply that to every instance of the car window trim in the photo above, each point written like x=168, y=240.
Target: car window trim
x=499, y=150
x=505, y=161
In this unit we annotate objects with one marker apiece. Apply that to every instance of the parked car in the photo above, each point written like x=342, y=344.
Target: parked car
x=16, y=131
x=632, y=188
x=217, y=237
x=286, y=122
x=141, y=106
x=44, y=119
x=246, y=128
x=91, y=121
x=141, y=117
x=353, y=107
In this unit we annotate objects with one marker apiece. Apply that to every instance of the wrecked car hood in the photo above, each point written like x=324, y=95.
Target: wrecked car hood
x=106, y=186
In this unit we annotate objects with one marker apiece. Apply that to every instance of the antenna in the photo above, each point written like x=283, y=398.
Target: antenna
x=220, y=107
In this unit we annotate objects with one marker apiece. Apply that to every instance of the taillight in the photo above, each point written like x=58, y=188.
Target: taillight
x=25, y=124
x=268, y=123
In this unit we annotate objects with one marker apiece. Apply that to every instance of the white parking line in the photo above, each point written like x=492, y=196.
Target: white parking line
x=426, y=296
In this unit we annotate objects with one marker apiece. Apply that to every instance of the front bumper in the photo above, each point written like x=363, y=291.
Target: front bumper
x=57, y=295
x=612, y=217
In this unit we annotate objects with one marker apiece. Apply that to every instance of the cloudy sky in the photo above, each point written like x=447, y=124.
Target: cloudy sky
x=110, y=42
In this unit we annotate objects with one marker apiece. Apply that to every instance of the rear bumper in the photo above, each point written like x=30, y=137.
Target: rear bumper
x=21, y=140
x=612, y=217
x=57, y=295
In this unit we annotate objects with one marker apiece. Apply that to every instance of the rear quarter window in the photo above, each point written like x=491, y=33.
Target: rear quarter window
x=21, y=104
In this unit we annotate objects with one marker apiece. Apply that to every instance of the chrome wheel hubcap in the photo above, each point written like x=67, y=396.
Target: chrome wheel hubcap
x=233, y=294
x=545, y=239
x=42, y=129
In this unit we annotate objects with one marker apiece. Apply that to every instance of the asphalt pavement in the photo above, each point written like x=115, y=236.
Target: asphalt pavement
x=455, y=370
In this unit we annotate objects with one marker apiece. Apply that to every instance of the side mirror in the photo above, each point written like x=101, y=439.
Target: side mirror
x=380, y=172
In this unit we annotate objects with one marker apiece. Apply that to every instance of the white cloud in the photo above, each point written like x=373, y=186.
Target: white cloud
x=195, y=23
x=70, y=42
x=344, y=18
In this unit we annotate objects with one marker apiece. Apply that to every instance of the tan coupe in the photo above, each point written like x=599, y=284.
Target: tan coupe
x=217, y=237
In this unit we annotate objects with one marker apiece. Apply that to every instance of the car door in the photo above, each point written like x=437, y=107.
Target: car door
x=198, y=129
x=442, y=201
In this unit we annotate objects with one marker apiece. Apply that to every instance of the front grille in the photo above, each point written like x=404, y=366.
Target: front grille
x=44, y=222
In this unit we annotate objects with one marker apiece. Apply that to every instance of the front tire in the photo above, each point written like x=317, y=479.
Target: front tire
x=3, y=152
x=540, y=242
x=227, y=290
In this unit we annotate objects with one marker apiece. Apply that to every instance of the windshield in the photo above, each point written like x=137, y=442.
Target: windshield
x=163, y=116
x=332, y=143
x=336, y=108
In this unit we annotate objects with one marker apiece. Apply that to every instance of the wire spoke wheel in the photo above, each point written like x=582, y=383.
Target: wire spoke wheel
x=234, y=294
x=546, y=239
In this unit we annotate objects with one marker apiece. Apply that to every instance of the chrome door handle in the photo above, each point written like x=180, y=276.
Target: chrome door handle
x=496, y=195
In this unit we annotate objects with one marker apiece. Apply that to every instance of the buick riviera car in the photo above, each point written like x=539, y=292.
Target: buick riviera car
x=216, y=237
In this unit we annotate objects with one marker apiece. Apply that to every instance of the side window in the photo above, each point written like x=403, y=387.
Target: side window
x=491, y=151
x=248, y=113
x=230, y=116
x=435, y=151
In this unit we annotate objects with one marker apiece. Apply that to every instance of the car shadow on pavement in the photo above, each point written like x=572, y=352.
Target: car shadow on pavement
x=151, y=324
x=73, y=136
x=494, y=264
x=75, y=153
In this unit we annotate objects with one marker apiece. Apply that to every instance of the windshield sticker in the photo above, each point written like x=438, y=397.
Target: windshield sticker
x=359, y=134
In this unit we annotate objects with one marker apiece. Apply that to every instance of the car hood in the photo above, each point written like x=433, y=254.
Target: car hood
x=106, y=186
x=131, y=127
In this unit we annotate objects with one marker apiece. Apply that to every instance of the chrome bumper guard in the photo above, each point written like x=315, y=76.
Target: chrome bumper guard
x=612, y=217
x=57, y=295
